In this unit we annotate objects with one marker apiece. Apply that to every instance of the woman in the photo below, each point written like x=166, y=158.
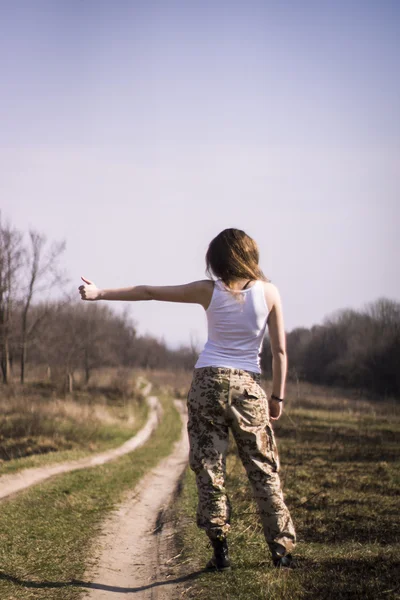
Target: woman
x=225, y=392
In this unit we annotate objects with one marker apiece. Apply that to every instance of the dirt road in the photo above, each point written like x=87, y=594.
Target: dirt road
x=15, y=482
x=131, y=555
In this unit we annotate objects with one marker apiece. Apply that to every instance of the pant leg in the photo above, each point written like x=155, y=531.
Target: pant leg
x=249, y=418
x=208, y=439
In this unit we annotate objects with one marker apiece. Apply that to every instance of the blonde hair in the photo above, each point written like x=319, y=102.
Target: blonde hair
x=233, y=254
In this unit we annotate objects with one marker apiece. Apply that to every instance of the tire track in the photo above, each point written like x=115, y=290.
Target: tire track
x=16, y=482
x=128, y=559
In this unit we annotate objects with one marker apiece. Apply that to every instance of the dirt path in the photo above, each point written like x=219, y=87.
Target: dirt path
x=131, y=557
x=15, y=482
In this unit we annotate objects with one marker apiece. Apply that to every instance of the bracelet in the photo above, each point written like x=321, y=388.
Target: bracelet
x=273, y=397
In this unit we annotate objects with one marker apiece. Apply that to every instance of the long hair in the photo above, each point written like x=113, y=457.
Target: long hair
x=233, y=255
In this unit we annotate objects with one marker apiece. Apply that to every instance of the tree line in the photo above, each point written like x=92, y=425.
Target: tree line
x=352, y=349
x=357, y=349
x=64, y=334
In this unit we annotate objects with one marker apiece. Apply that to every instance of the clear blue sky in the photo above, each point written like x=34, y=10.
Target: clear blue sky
x=138, y=130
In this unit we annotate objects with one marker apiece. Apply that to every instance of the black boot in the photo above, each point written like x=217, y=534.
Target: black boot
x=220, y=559
x=285, y=562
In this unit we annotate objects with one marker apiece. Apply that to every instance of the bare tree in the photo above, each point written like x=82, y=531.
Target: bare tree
x=11, y=259
x=43, y=271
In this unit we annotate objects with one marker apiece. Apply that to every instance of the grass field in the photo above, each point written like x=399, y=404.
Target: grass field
x=40, y=425
x=340, y=473
x=47, y=532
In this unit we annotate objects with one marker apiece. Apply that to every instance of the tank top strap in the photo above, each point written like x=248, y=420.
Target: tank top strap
x=219, y=285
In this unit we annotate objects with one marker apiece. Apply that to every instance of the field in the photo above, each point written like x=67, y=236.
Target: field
x=49, y=532
x=41, y=424
x=339, y=469
x=340, y=473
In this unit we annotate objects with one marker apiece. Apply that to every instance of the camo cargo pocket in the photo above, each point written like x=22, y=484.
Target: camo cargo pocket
x=272, y=447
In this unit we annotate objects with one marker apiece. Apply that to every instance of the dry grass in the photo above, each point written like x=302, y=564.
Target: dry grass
x=37, y=419
x=48, y=532
x=310, y=396
x=340, y=474
x=176, y=383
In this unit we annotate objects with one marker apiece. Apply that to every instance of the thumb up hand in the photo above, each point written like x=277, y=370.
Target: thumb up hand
x=89, y=291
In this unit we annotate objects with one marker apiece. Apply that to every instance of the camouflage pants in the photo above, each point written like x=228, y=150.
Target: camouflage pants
x=219, y=399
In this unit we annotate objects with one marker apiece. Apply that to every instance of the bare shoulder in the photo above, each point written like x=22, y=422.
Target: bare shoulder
x=271, y=293
x=205, y=289
x=205, y=286
x=195, y=292
x=200, y=292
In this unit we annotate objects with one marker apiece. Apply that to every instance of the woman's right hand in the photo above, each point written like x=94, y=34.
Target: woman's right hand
x=275, y=409
x=90, y=291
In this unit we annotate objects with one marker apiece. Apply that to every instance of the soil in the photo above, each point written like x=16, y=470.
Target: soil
x=133, y=555
x=15, y=482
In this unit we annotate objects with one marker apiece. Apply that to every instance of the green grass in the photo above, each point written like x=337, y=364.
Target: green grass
x=340, y=472
x=46, y=532
x=90, y=439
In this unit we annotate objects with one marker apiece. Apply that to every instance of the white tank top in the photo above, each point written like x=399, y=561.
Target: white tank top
x=236, y=328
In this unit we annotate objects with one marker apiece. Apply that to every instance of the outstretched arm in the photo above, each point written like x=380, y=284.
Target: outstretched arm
x=197, y=292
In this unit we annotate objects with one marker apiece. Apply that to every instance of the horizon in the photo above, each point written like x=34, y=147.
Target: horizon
x=138, y=131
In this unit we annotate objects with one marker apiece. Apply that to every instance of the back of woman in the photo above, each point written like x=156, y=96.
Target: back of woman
x=236, y=326
x=225, y=393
